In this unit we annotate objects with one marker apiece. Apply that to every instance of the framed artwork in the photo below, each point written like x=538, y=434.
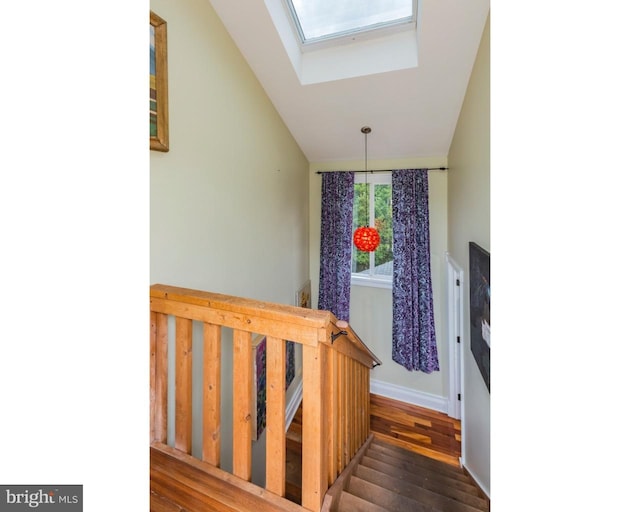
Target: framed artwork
x=303, y=296
x=259, y=347
x=303, y=300
x=158, y=96
x=480, y=309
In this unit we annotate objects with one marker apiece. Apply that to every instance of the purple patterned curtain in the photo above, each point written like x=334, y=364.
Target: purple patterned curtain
x=414, y=334
x=335, y=243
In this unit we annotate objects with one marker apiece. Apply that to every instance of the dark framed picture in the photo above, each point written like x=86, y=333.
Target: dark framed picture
x=158, y=95
x=480, y=309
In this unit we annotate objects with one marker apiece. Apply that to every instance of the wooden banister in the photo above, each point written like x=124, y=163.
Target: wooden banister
x=335, y=383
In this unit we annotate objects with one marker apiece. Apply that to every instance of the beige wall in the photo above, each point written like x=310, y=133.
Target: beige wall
x=229, y=201
x=371, y=308
x=469, y=220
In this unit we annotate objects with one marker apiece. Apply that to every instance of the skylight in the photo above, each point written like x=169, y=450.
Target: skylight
x=321, y=20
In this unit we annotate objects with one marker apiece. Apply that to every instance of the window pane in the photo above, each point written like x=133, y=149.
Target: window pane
x=320, y=18
x=380, y=263
x=384, y=252
x=360, y=259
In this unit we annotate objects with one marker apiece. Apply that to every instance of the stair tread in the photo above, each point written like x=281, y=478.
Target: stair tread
x=429, y=451
x=390, y=500
x=418, y=459
x=352, y=503
x=423, y=482
x=426, y=496
x=427, y=477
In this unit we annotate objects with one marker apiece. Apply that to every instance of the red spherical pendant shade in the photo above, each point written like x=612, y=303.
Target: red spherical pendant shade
x=366, y=239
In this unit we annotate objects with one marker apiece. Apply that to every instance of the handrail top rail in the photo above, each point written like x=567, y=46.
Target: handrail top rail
x=321, y=320
x=311, y=317
x=356, y=340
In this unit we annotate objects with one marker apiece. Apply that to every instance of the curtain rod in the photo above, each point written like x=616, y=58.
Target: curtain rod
x=389, y=170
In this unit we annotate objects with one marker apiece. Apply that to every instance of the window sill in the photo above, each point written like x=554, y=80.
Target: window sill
x=371, y=282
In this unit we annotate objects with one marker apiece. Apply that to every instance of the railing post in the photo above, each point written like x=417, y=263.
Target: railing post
x=314, y=456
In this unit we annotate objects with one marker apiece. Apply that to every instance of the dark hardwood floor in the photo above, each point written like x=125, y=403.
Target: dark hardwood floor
x=424, y=431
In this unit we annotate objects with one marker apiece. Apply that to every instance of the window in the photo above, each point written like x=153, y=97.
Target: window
x=372, y=207
x=320, y=20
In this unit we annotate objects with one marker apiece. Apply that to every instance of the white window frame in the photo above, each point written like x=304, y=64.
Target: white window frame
x=350, y=35
x=375, y=281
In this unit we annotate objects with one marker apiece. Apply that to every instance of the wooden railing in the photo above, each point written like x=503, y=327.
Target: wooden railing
x=335, y=384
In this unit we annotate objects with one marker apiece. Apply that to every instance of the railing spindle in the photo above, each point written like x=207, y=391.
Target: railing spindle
x=153, y=331
x=184, y=330
x=161, y=384
x=314, y=467
x=211, y=352
x=242, y=406
x=341, y=412
x=350, y=407
x=276, y=416
x=331, y=414
x=357, y=409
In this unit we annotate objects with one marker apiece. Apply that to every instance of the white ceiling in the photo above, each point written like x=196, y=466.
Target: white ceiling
x=412, y=111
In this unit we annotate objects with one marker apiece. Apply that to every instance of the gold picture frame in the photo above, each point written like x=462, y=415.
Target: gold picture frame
x=158, y=96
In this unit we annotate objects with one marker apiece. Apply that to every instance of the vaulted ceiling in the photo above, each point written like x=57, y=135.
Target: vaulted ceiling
x=408, y=87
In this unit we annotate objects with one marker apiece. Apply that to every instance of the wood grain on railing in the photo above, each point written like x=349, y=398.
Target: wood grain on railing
x=314, y=474
x=153, y=346
x=184, y=414
x=276, y=416
x=242, y=406
x=288, y=322
x=332, y=415
x=159, y=328
x=211, y=351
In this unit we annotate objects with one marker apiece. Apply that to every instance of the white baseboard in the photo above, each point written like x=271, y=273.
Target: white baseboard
x=475, y=479
x=293, y=404
x=410, y=396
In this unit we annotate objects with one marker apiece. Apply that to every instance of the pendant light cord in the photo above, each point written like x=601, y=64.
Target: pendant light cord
x=365, y=153
x=366, y=130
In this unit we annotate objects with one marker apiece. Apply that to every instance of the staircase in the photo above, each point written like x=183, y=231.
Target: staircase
x=328, y=460
x=386, y=478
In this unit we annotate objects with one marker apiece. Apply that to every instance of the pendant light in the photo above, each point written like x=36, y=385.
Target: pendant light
x=366, y=238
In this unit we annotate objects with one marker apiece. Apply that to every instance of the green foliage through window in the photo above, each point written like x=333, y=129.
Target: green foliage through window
x=380, y=206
